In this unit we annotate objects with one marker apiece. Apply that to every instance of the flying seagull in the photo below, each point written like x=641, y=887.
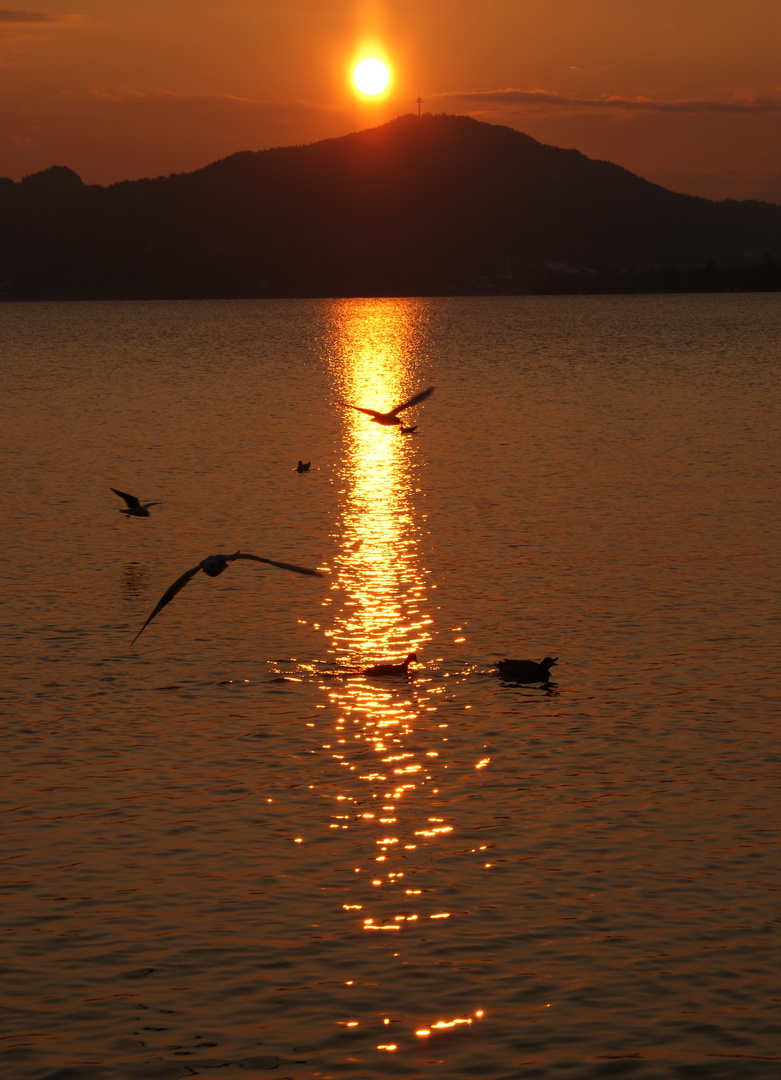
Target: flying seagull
x=526, y=671
x=134, y=507
x=213, y=566
x=388, y=419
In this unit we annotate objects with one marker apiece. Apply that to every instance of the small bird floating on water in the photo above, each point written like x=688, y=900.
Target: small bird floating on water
x=213, y=566
x=409, y=430
x=389, y=419
x=526, y=671
x=303, y=466
x=134, y=507
x=391, y=669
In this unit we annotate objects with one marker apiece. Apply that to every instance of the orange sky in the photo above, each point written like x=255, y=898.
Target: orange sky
x=684, y=92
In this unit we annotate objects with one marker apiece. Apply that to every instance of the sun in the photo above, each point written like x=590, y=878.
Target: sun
x=371, y=77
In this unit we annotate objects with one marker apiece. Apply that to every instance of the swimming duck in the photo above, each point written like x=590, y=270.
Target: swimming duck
x=409, y=430
x=213, y=566
x=526, y=671
x=134, y=507
x=388, y=419
x=303, y=466
x=391, y=669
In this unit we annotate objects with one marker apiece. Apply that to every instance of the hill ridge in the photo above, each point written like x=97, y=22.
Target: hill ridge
x=436, y=204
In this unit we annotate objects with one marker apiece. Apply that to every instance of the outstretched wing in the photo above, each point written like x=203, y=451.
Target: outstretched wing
x=131, y=500
x=369, y=412
x=271, y=562
x=168, y=596
x=412, y=401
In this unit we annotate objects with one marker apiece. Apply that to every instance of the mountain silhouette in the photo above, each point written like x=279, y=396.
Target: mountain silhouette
x=430, y=205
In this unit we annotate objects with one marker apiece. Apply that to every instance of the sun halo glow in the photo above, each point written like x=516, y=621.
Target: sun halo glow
x=371, y=77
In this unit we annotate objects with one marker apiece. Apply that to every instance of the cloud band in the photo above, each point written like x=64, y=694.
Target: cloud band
x=760, y=104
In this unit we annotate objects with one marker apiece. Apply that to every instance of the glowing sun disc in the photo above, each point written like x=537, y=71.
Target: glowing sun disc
x=371, y=76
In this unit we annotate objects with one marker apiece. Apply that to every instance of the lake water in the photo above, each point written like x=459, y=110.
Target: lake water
x=225, y=852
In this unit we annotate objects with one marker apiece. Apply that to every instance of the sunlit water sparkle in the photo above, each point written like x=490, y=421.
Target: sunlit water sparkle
x=226, y=852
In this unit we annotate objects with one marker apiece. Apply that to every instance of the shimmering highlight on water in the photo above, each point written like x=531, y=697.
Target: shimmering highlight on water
x=227, y=852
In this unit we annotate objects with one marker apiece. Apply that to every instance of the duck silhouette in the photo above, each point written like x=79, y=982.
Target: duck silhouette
x=303, y=466
x=392, y=669
x=389, y=419
x=134, y=507
x=213, y=566
x=526, y=671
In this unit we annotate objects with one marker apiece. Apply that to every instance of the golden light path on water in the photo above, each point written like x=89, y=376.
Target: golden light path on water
x=386, y=734
x=379, y=563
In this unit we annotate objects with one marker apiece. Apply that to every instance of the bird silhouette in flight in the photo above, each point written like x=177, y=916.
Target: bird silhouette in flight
x=389, y=419
x=213, y=566
x=134, y=507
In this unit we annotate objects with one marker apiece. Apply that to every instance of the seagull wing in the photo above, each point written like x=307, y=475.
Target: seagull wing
x=413, y=400
x=131, y=500
x=369, y=412
x=168, y=596
x=271, y=562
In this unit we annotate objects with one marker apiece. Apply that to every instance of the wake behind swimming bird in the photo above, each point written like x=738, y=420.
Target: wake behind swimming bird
x=392, y=669
x=389, y=419
x=134, y=507
x=213, y=566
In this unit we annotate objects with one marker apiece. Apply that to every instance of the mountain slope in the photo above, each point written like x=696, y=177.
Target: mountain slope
x=436, y=204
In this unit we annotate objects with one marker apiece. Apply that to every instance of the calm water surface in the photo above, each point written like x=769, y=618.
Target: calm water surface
x=225, y=852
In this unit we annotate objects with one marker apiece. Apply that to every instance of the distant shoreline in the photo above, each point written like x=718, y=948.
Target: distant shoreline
x=759, y=277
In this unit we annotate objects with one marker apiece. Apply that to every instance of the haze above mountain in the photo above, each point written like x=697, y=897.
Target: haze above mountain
x=431, y=205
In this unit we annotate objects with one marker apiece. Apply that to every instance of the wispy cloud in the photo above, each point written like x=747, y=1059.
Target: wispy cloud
x=26, y=16
x=744, y=103
x=131, y=96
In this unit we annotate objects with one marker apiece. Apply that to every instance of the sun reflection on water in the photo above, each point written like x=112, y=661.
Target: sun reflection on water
x=375, y=352
x=383, y=735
